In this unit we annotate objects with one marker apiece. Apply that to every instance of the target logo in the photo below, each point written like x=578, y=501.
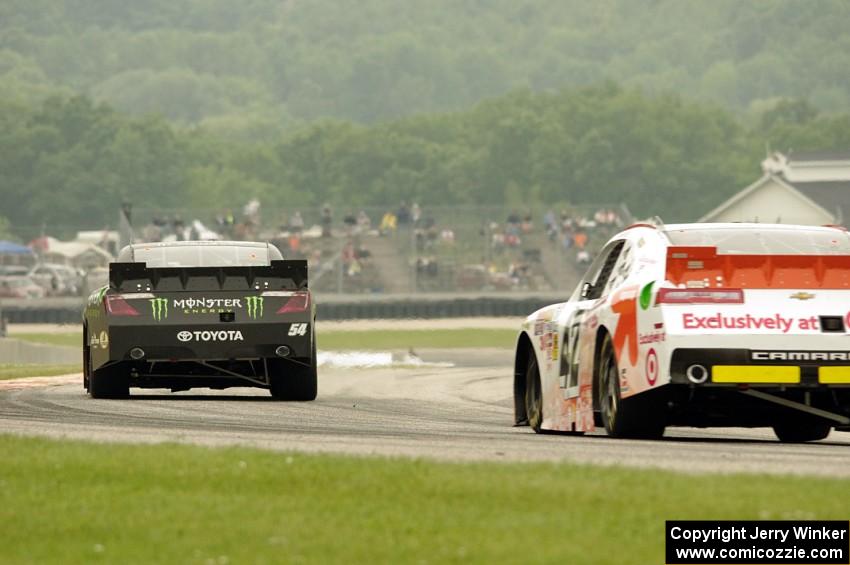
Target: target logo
x=651, y=367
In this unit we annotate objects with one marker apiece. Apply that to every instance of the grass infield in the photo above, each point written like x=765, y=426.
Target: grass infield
x=74, y=339
x=75, y=502
x=10, y=371
x=364, y=340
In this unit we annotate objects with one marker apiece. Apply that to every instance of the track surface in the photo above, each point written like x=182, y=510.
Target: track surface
x=461, y=413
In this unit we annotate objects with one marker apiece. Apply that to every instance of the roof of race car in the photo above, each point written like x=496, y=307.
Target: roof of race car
x=746, y=225
x=737, y=238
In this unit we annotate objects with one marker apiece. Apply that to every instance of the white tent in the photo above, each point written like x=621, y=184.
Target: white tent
x=74, y=253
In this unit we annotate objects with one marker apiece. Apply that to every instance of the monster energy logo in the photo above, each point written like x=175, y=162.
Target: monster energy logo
x=255, y=306
x=159, y=308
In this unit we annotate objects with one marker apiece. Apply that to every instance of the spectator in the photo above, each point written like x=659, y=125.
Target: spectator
x=152, y=232
x=403, y=214
x=362, y=253
x=580, y=239
x=431, y=235
x=295, y=243
x=251, y=212
x=179, y=228
x=388, y=223
x=567, y=240
x=364, y=224
x=296, y=223
x=327, y=220
x=549, y=221
x=415, y=214
x=350, y=221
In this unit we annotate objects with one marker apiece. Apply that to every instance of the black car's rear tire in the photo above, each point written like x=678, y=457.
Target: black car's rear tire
x=801, y=431
x=109, y=382
x=638, y=417
x=289, y=381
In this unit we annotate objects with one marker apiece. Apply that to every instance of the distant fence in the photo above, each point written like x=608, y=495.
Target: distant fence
x=330, y=307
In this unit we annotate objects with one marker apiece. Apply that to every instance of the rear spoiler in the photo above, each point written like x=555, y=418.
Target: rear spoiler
x=702, y=266
x=138, y=277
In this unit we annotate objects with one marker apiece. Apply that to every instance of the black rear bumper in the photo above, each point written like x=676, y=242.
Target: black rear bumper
x=213, y=342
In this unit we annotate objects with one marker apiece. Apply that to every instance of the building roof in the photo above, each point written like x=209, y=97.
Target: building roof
x=833, y=196
x=819, y=156
x=765, y=179
x=818, y=180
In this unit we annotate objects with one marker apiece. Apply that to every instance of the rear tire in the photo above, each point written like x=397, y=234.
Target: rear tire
x=293, y=382
x=801, y=431
x=533, y=395
x=639, y=417
x=109, y=382
x=86, y=360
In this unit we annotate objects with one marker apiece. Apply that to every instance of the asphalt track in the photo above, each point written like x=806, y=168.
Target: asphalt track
x=458, y=413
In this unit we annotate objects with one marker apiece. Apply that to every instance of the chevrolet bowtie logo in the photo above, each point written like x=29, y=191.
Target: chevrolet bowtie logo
x=802, y=295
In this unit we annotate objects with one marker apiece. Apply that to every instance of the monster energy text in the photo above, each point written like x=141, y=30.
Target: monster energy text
x=255, y=306
x=159, y=308
x=205, y=305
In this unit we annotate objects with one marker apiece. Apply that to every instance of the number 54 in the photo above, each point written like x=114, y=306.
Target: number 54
x=298, y=329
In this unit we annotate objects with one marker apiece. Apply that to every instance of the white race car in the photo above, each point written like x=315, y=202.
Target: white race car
x=696, y=325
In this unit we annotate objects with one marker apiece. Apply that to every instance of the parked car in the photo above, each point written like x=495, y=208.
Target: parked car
x=57, y=280
x=17, y=286
x=8, y=270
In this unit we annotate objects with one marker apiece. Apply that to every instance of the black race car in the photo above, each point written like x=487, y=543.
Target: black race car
x=190, y=314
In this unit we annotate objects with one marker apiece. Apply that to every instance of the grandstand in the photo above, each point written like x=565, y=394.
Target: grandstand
x=428, y=249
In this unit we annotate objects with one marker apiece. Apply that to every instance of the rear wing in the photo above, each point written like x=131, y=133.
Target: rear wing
x=702, y=266
x=138, y=277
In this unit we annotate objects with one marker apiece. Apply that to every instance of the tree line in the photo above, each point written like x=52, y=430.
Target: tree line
x=69, y=162
x=246, y=69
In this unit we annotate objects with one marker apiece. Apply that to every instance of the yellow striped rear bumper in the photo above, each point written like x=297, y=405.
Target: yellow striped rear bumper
x=756, y=374
x=834, y=375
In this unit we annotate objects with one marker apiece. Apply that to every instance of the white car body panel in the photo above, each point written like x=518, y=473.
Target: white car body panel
x=646, y=334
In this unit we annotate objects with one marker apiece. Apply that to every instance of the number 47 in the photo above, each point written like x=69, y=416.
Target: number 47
x=298, y=329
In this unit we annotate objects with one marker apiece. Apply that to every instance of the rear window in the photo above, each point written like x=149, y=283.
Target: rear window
x=768, y=241
x=202, y=256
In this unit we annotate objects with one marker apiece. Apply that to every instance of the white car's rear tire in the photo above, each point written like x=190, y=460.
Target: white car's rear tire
x=533, y=395
x=637, y=417
x=801, y=431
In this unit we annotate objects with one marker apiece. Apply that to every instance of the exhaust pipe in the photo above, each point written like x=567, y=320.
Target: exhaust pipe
x=697, y=374
x=137, y=353
x=282, y=351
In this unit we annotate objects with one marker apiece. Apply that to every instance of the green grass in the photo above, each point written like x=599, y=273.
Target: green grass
x=75, y=502
x=374, y=339
x=74, y=339
x=10, y=371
